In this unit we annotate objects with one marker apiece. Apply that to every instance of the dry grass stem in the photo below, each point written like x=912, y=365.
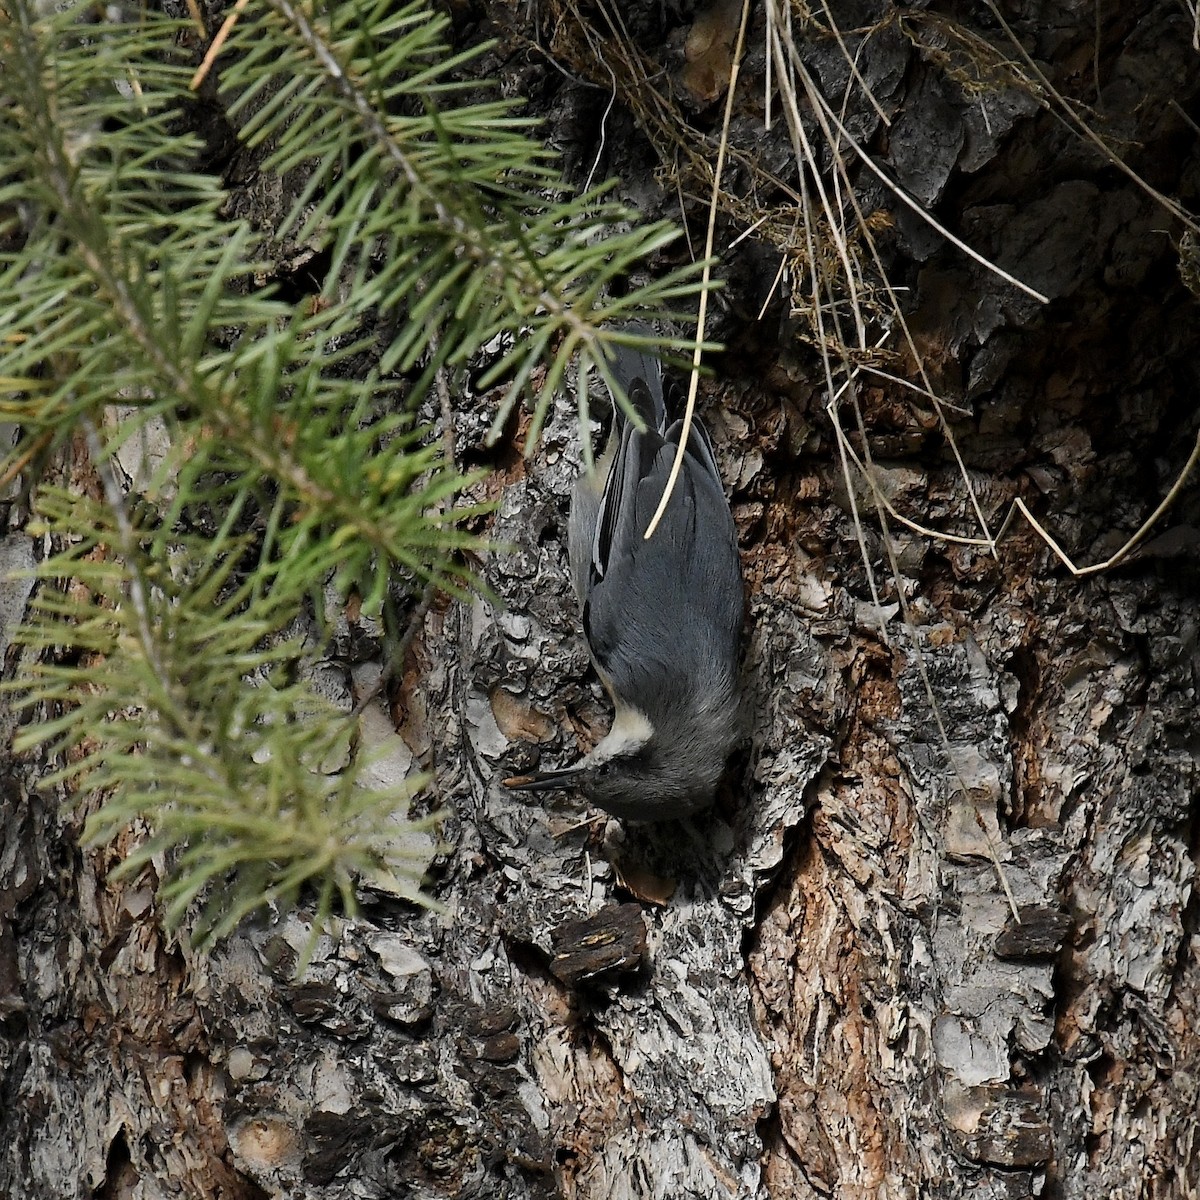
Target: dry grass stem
x=218, y=42
x=694, y=379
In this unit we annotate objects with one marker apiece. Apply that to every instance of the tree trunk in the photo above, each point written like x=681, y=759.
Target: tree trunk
x=937, y=936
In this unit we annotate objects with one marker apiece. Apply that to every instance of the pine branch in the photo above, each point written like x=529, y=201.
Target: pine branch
x=453, y=205
x=163, y=654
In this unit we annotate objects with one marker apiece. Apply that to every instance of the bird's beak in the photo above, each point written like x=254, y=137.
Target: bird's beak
x=544, y=781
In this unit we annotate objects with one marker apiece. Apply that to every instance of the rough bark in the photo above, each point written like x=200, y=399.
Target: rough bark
x=820, y=988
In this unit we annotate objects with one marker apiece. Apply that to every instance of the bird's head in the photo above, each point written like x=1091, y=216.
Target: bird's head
x=637, y=773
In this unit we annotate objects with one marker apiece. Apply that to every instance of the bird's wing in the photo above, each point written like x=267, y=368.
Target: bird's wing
x=646, y=457
x=640, y=375
x=671, y=605
x=617, y=511
x=699, y=446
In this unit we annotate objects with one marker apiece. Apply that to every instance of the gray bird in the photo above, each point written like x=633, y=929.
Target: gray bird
x=662, y=618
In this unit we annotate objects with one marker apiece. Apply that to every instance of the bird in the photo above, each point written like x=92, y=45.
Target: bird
x=662, y=616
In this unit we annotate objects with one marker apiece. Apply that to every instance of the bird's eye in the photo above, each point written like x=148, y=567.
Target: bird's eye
x=603, y=770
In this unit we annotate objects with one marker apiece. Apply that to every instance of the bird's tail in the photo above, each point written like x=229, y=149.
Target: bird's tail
x=639, y=374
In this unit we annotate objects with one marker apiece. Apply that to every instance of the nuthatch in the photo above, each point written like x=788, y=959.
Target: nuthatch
x=662, y=617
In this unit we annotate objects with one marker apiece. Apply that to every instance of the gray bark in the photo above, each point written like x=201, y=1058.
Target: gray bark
x=819, y=988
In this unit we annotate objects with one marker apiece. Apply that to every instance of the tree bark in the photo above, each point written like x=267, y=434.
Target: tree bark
x=937, y=936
